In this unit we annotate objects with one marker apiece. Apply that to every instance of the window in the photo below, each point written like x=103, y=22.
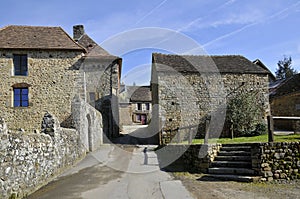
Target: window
x=20, y=65
x=20, y=97
x=139, y=106
x=147, y=106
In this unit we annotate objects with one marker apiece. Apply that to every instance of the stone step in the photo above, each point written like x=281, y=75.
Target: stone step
x=234, y=153
x=236, y=148
x=237, y=178
x=226, y=170
x=233, y=158
x=232, y=164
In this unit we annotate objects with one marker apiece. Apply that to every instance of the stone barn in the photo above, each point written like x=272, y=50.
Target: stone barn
x=187, y=90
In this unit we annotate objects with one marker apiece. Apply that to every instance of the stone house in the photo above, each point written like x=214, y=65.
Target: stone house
x=43, y=68
x=285, y=101
x=135, y=105
x=187, y=90
x=141, y=101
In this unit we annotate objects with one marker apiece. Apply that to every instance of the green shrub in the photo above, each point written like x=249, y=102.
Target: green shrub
x=244, y=113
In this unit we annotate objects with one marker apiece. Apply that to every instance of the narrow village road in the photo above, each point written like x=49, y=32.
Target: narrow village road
x=115, y=171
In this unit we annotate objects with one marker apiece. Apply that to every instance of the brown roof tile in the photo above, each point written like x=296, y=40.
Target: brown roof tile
x=203, y=63
x=37, y=37
x=140, y=94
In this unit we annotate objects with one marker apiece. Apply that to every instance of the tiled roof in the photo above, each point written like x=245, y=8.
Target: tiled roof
x=140, y=94
x=92, y=47
x=202, y=63
x=288, y=86
x=37, y=37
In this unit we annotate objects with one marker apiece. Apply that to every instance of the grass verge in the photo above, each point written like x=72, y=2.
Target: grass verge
x=261, y=138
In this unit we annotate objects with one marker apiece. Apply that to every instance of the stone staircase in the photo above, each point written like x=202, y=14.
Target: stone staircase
x=233, y=162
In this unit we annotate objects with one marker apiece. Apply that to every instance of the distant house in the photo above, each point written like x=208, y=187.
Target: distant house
x=43, y=68
x=141, y=103
x=189, y=89
x=135, y=105
x=285, y=101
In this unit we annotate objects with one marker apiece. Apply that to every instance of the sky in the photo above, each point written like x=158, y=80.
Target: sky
x=258, y=29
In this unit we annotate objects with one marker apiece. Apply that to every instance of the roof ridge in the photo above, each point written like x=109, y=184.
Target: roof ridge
x=37, y=26
x=186, y=55
x=72, y=39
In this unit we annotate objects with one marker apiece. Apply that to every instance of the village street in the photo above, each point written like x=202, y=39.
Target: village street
x=115, y=172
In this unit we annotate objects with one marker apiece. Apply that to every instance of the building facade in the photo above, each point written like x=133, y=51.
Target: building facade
x=36, y=75
x=187, y=90
x=141, y=103
x=43, y=68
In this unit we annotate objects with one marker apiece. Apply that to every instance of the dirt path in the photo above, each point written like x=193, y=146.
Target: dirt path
x=208, y=188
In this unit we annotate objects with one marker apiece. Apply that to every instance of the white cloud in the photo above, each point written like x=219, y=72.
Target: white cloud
x=240, y=19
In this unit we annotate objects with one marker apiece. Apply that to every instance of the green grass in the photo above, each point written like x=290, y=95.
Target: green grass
x=261, y=138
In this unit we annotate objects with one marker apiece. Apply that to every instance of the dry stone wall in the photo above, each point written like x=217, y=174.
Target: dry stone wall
x=277, y=161
x=29, y=161
x=51, y=81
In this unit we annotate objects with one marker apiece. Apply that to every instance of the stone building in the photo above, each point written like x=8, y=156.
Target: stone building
x=43, y=68
x=101, y=73
x=135, y=105
x=285, y=101
x=187, y=90
x=141, y=103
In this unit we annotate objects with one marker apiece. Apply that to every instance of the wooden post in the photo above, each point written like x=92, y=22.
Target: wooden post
x=270, y=128
x=190, y=135
x=206, y=131
x=231, y=130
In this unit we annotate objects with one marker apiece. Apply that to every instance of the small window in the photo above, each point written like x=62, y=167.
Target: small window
x=139, y=106
x=20, y=65
x=20, y=97
x=147, y=106
x=297, y=107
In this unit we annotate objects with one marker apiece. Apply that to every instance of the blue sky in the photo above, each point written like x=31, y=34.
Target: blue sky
x=263, y=29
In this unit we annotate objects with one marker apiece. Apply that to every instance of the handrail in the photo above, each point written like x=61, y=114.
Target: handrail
x=286, y=118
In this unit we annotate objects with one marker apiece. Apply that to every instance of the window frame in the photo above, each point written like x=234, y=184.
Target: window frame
x=147, y=106
x=20, y=64
x=21, y=99
x=139, y=106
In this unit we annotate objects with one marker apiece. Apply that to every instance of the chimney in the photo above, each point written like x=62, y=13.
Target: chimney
x=78, y=31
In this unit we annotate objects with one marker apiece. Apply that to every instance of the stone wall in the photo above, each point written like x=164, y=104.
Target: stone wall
x=51, y=79
x=193, y=158
x=276, y=160
x=29, y=161
x=101, y=85
x=88, y=122
x=125, y=114
x=189, y=98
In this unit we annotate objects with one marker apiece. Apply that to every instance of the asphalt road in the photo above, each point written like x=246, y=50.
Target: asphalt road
x=125, y=172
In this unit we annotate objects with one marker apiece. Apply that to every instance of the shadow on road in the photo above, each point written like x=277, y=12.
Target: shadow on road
x=138, y=135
